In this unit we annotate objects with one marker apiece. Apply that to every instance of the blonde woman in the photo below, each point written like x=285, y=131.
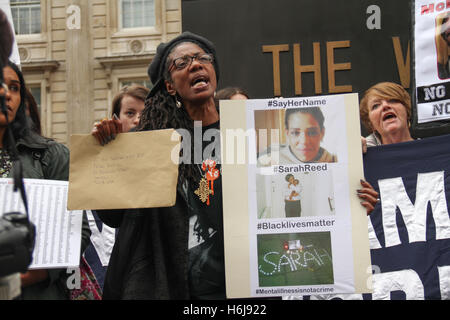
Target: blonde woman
x=385, y=111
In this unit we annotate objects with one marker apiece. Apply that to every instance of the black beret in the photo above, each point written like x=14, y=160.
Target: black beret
x=156, y=68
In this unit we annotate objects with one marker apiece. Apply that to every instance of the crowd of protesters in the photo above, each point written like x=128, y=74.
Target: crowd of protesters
x=185, y=75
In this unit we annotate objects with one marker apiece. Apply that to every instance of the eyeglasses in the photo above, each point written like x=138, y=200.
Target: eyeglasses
x=185, y=61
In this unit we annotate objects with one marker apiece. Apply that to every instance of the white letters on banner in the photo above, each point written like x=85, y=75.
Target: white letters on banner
x=430, y=189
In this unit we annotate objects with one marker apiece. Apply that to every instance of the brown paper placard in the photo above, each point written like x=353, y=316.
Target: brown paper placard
x=136, y=170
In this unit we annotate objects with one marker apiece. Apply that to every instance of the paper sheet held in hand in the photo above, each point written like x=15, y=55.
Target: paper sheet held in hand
x=136, y=170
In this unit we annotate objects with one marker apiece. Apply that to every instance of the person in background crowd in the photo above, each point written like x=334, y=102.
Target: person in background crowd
x=151, y=258
x=32, y=112
x=127, y=107
x=385, y=111
x=41, y=158
x=231, y=93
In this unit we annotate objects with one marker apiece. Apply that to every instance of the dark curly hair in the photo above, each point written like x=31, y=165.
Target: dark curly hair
x=161, y=112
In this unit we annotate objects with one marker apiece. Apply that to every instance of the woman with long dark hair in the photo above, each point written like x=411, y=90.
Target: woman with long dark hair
x=41, y=158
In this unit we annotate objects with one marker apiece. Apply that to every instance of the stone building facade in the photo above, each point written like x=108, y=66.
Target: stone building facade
x=76, y=54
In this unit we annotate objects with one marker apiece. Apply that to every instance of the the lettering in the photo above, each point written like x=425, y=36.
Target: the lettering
x=240, y=136
x=296, y=103
x=429, y=8
x=73, y=21
x=444, y=275
x=275, y=50
x=441, y=108
x=302, y=168
x=430, y=190
x=373, y=21
x=298, y=225
x=403, y=64
x=407, y=281
x=211, y=311
x=333, y=67
x=184, y=153
x=74, y=280
x=403, y=61
x=293, y=260
x=431, y=93
x=300, y=67
x=315, y=68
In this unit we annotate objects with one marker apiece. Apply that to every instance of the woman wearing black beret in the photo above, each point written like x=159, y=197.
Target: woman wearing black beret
x=156, y=255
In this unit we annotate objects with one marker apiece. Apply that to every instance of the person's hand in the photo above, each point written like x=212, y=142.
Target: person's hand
x=364, y=144
x=33, y=276
x=368, y=195
x=107, y=130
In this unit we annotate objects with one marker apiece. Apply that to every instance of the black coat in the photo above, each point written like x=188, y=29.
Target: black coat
x=146, y=263
x=44, y=158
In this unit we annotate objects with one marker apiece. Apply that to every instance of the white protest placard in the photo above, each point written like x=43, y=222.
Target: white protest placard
x=293, y=222
x=431, y=65
x=58, y=231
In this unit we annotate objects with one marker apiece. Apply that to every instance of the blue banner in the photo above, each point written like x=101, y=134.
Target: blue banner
x=410, y=226
x=99, y=250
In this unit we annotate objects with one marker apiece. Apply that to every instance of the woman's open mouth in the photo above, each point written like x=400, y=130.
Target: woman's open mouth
x=389, y=116
x=199, y=82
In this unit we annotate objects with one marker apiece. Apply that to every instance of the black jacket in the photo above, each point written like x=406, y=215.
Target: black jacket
x=146, y=263
x=44, y=158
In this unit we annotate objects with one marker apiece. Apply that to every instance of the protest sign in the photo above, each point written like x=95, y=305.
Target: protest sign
x=431, y=90
x=98, y=173
x=292, y=220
